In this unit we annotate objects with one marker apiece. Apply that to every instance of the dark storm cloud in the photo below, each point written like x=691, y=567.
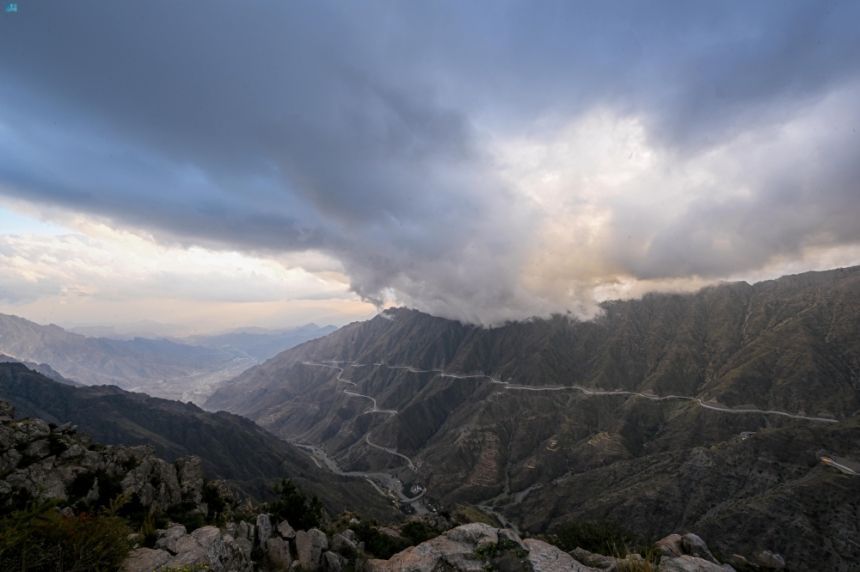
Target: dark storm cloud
x=360, y=129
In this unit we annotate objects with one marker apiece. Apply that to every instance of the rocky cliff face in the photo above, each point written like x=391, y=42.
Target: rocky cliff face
x=707, y=411
x=42, y=461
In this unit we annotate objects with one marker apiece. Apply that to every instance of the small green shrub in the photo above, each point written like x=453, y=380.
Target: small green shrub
x=418, y=531
x=606, y=537
x=493, y=551
x=295, y=506
x=18, y=499
x=602, y=537
x=186, y=513
x=109, y=487
x=379, y=544
x=217, y=506
x=149, y=530
x=56, y=446
x=40, y=538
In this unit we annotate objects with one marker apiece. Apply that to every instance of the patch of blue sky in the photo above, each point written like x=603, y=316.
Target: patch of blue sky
x=15, y=222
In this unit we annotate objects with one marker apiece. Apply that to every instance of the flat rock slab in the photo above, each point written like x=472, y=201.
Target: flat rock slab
x=145, y=560
x=545, y=557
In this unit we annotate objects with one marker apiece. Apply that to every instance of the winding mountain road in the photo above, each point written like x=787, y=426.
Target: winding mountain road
x=390, y=486
x=584, y=390
x=392, y=452
x=373, y=409
x=384, y=483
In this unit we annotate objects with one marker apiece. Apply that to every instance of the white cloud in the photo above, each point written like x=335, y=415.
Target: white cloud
x=620, y=215
x=92, y=272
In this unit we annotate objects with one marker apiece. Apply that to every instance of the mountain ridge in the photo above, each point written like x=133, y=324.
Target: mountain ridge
x=230, y=447
x=494, y=417
x=185, y=369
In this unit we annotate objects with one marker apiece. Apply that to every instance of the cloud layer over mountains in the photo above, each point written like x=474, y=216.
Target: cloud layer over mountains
x=482, y=161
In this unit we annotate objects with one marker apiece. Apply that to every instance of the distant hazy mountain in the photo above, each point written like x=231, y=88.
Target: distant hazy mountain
x=42, y=368
x=231, y=447
x=704, y=412
x=260, y=343
x=156, y=366
x=127, y=331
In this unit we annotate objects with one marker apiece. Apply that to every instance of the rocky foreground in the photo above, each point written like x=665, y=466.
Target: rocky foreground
x=706, y=412
x=130, y=487
x=42, y=461
x=474, y=547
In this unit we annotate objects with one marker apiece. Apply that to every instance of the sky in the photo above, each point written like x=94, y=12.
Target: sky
x=223, y=164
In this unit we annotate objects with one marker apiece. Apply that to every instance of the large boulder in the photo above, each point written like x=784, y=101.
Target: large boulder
x=233, y=554
x=167, y=539
x=476, y=547
x=476, y=533
x=333, y=562
x=207, y=547
x=545, y=557
x=769, y=560
x=286, y=531
x=145, y=560
x=264, y=529
x=278, y=553
x=695, y=546
x=310, y=546
x=599, y=561
x=687, y=563
x=190, y=473
x=453, y=550
x=154, y=481
x=671, y=545
x=343, y=544
x=206, y=535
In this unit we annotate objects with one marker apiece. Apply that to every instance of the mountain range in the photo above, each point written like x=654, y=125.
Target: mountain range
x=230, y=447
x=708, y=411
x=187, y=370
x=261, y=343
x=732, y=412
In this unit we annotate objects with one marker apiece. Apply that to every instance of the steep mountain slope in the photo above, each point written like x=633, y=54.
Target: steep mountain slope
x=622, y=416
x=155, y=366
x=231, y=447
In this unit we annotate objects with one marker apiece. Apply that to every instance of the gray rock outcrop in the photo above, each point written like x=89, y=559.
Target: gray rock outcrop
x=687, y=553
x=769, y=560
x=207, y=546
x=146, y=560
x=545, y=557
x=687, y=563
x=44, y=462
x=310, y=546
x=264, y=529
x=476, y=547
x=285, y=530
